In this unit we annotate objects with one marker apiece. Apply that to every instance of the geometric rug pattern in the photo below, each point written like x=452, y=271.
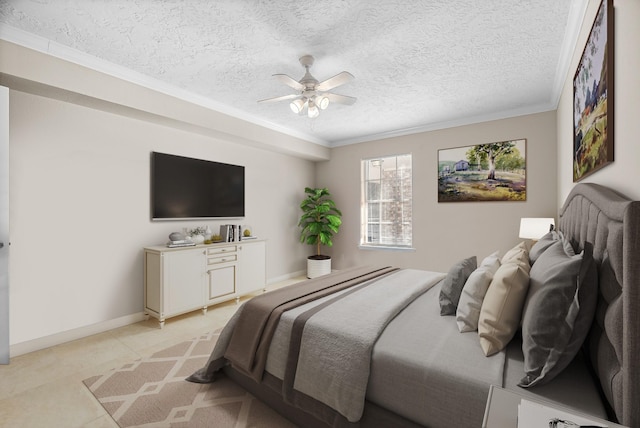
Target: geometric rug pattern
x=153, y=392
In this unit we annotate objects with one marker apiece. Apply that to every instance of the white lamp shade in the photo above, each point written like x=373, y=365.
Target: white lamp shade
x=535, y=228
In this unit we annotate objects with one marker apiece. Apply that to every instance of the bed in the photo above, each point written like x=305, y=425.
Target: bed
x=379, y=346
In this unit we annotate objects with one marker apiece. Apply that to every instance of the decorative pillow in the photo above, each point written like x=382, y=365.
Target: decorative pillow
x=453, y=283
x=558, y=310
x=543, y=243
x=473, y=293
x=501, y=309
x=516, y=252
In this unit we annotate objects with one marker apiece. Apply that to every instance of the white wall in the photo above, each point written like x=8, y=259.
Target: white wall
x=80, y=144
x=624, y=173
x=443, y=233
x=80, y=210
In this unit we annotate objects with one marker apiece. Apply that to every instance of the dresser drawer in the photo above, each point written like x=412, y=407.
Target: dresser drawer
x=222, y=258
x=222, y=250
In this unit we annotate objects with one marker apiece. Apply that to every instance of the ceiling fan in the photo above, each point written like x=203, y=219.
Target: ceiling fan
x=312, y=95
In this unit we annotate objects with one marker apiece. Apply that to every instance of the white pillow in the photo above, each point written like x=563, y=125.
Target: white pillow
x=475, y=288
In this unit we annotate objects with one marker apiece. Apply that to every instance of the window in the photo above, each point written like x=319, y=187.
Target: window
x=386, y=202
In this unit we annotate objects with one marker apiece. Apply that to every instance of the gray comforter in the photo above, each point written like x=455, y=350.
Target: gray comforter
x=424, y=369
x=329, y=355
x=413, y=362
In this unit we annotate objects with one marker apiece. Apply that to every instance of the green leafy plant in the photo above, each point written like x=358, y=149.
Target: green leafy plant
x=320, y=218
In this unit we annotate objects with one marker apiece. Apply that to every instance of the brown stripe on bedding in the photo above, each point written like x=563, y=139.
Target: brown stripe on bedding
x=249, y=344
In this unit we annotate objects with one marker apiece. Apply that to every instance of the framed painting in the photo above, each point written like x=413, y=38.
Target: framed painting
x=593, y=98
x=483, y=172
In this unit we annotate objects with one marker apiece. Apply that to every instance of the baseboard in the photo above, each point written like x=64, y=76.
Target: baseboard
x=78, y=333
x=81, y=332
x=286, y=277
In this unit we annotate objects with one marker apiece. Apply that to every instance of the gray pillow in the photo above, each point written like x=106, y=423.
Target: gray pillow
x=453, y=284
x=558, y=310
x=542, y=244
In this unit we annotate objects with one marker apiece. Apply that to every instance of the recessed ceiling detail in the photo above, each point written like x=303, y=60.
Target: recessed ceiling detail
x=419, y=64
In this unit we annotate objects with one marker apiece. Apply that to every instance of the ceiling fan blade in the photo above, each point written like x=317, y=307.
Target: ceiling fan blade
x=282, y=98
x=335, y=81
x=341, y=99
x=289, y=81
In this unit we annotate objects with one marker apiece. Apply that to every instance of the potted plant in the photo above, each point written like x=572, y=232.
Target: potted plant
x=319, y=221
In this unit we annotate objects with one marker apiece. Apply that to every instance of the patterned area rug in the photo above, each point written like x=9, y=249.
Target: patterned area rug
x=152, y=392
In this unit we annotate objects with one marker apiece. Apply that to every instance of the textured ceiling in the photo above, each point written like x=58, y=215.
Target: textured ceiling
x=417, y=64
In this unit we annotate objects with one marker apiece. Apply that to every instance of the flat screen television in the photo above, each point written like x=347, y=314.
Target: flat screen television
x=186, y=188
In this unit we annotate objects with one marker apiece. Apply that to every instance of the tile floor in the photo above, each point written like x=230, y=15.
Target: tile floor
x=45, y=389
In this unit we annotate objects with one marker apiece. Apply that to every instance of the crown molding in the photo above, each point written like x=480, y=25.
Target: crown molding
x=57, y=50
x=49, y=47
x=469, y=120
x=577, y=12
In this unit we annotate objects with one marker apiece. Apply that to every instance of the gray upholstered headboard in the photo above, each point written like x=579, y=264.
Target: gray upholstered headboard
x=611, y=223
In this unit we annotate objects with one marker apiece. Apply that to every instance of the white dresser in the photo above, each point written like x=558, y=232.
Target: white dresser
x=184, y=279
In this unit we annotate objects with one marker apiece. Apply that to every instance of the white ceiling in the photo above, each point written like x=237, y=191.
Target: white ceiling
x=418, y=65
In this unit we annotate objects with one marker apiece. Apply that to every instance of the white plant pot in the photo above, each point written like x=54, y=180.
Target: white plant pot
x=317, y=268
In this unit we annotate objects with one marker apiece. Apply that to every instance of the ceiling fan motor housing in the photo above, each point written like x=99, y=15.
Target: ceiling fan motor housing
x=308, y=80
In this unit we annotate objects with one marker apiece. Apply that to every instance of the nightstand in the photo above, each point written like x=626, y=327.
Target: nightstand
x=502, y=409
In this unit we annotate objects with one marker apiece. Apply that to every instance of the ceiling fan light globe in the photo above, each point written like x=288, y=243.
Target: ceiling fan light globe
x=297, y=106
x=313, y=111
x=323, y=102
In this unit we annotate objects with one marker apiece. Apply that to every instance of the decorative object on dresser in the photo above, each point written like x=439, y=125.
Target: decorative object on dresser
x=231, y=232
x=247, y=232
x=176, y=236
x=197, y=235
x=484, y=172
x=593, y=97
x=181, y=280
x=319, y=221
x=177, y=239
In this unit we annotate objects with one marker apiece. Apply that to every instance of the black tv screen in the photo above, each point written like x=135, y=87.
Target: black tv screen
x=187, y=188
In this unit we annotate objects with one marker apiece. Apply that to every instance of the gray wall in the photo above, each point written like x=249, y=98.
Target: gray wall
x=443, y=233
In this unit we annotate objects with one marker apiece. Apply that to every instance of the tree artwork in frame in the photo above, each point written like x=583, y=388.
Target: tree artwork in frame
x=484, y=172
x=593, y=98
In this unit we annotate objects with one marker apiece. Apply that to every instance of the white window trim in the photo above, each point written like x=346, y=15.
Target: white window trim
x=384, y=247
